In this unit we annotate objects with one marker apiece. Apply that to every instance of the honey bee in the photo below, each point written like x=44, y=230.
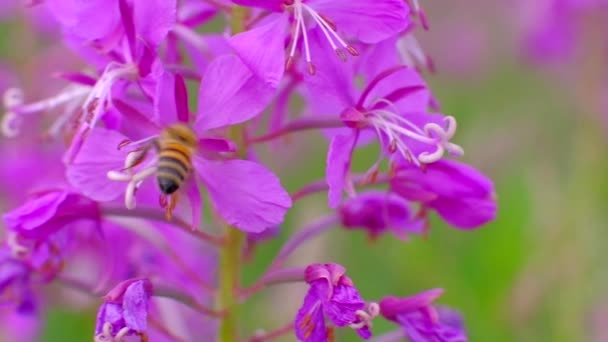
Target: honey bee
x=175, y=146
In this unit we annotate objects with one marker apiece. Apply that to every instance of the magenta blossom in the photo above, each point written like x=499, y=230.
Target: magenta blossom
x=331, y=296
x=262, y=48
x=460, y=194
x=378, y=212
x=392, y=108
x=244, y=193
x=124, y=311
x=422, y=322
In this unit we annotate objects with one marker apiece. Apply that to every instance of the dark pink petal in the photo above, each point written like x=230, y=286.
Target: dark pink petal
x=271, y=5
x=216, y=145
x=181, y=99
x=310, y=323
x=36, y=212
x=463, y=196
x=262, y=49
x=98, y=155
x=154, y=19
x=338, y=164
x=229, y=94
x=391, y=307
x=378, y=211
x=109, y=313
x=244, y=193
x=370, y=21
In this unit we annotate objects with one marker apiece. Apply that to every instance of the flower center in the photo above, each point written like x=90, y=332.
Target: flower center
x=394, y=130
x=337, y=43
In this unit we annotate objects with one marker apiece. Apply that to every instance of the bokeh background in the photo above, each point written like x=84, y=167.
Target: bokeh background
x=532, y=114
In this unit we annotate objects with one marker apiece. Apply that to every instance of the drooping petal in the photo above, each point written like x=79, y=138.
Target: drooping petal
x=98, y=155
x=244, y=193
x=464, y=197
x=338, y=164
x=377, y=211
x=370, y=21
x=391, y=307
x=262, y=49
x=229, y=94
x=309, y=323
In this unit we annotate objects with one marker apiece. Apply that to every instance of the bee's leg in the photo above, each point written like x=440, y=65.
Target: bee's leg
x=169, y=204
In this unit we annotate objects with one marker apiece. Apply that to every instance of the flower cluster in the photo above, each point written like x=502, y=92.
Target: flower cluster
x=150, y=185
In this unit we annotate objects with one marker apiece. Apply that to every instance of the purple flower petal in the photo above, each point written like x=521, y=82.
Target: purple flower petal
x=165, y=107
x=262, y=49
x=135, y=305
x=154, y=19
x=310, y=323
x=344, y=302
x=370, y=21
x=244, y=193
x=229, y=94
x=464, y=197
x=338, y=164
x=98, y=155
x=378, y=211
x=392, y=307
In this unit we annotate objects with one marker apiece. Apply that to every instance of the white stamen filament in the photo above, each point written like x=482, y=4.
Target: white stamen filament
x=328, y=29
x=300, y=20
x=366, y=316
x=394, y=127
x=102, y=91
x=122, y=333
x=66, y=95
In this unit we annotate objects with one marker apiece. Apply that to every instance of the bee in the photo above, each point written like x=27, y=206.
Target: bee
x=175, y=146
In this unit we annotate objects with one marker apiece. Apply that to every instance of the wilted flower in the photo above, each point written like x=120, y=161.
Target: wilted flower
x=124, y=311
x=422, y=322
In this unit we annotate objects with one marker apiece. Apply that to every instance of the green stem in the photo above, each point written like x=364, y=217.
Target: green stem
x=230, y=274
x=230, y=254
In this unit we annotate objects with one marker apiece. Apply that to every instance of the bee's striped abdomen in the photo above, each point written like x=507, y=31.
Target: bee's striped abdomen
x=174, y=165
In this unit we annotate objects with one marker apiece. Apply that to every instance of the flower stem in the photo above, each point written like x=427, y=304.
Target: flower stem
x=229, y=279
x=231, y=251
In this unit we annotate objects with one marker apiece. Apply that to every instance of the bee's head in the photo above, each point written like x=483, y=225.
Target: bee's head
x=182, y=133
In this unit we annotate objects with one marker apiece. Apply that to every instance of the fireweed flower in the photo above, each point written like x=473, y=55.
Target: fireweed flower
x=124, y=311
x=124, y=42
x=378, y=212
x=392, y=107
x=331, y=296
x=244, y=193
x=422, y=322
x=335, y=21
x=460, y=194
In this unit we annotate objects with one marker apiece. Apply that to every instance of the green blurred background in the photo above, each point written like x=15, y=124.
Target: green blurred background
x=535, y=274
